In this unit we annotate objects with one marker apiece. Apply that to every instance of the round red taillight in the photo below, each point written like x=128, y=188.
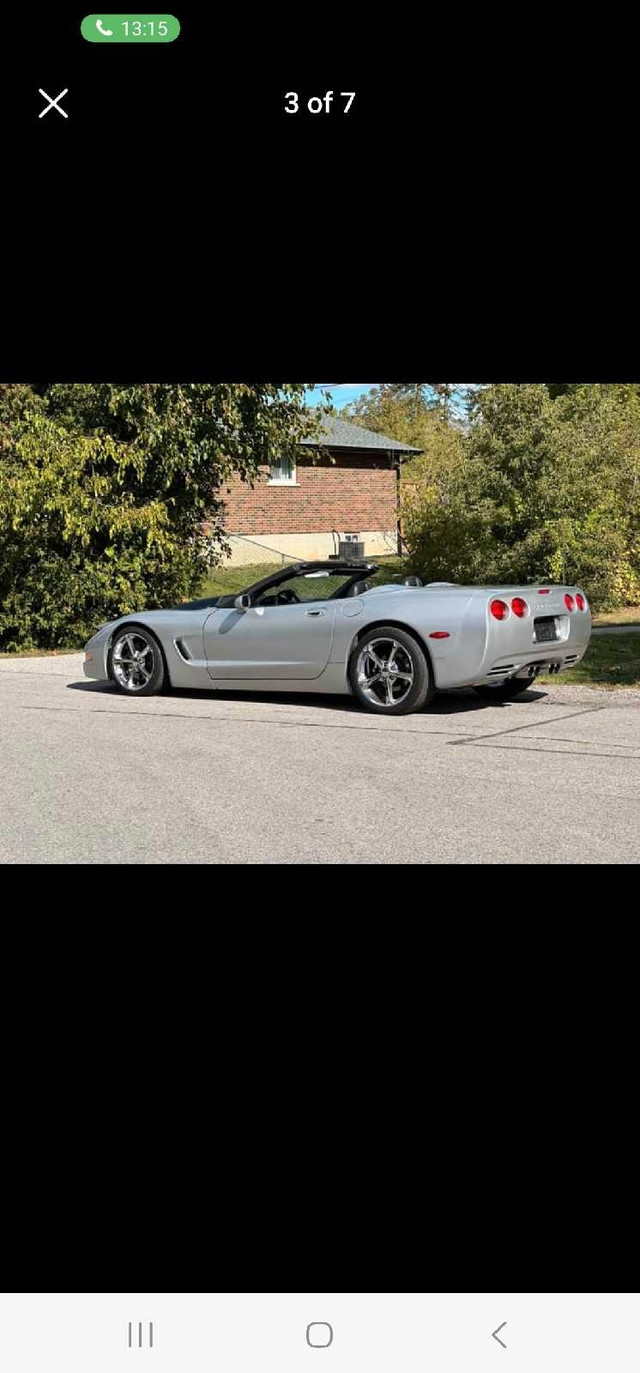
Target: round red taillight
x=519, y=607
x=499, y=609
x=580, y=601
x=569, y=601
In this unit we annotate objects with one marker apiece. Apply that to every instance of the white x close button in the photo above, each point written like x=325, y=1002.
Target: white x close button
x=53, y=103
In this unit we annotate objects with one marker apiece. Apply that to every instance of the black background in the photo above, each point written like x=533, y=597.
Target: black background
x=471, y=218
x=344, y=1081
x=278, y=1088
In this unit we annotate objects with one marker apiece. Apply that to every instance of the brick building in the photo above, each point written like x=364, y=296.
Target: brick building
x=349, y=484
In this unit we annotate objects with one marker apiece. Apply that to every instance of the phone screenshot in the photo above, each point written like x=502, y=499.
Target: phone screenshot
x=319, y=692
x=429, y=587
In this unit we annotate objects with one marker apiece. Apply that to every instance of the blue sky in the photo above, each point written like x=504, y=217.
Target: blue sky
x=341, y=393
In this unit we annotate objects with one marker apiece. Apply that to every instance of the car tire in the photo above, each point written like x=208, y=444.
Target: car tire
x=136, y=663
x=504, y=691
x=385, y=660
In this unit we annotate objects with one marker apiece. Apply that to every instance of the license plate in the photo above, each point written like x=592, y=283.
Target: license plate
x=545, y=629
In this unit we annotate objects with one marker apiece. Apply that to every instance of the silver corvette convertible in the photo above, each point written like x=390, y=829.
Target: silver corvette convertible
x=329, y=627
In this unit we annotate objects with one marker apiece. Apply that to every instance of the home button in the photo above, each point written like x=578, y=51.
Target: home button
x=319, y=1334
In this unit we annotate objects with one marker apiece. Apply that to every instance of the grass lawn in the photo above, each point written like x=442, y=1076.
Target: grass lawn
x=43, y=652
x=611, y=660
x=629, y=615
x=222, y=581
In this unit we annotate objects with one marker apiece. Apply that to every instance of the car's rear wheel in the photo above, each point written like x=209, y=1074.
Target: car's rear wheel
x=136, y=664
x=390, y=673
x=504, y=691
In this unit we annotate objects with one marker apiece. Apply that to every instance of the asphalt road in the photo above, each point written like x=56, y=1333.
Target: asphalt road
x=90, y=776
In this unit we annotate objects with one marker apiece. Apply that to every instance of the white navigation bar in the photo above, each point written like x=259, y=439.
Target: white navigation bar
x=319, y=1332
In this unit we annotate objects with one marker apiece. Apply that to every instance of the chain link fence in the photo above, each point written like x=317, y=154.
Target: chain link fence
x=249, y=562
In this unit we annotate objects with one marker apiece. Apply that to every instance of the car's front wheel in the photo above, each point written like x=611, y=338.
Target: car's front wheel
x=136, y=663
x=389, y=672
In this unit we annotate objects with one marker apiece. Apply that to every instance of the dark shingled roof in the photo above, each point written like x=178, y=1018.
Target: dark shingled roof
x=335, y=433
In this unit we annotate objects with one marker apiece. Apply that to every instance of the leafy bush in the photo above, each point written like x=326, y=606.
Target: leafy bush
x=110, y=496
x=543, y=489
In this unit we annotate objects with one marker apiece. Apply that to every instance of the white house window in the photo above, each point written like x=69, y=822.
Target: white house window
x=283, y=472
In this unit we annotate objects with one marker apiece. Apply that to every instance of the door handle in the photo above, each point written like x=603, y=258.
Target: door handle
x=315, y=612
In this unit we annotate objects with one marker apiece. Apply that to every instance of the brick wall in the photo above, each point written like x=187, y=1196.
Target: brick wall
x=356, y=492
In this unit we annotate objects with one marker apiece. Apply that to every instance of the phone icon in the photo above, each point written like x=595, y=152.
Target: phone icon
x=106, y=33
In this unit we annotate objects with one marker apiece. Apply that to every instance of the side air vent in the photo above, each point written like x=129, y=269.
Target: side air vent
x=182, y=649
x=500, y=671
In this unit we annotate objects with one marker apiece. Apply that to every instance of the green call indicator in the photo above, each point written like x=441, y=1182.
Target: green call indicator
x=130, y=28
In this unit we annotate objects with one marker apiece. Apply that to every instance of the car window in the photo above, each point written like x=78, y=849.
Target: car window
x=305, y=587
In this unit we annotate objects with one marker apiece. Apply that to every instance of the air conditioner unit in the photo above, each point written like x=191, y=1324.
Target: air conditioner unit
x=351, y=548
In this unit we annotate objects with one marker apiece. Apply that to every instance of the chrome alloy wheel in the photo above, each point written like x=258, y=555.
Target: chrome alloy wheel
x=385, y=672
x=133, y=660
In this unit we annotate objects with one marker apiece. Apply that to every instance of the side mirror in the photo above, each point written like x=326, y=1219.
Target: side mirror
x=242, y=602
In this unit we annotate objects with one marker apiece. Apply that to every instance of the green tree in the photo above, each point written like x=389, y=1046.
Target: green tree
x=414, y=415
x=623, y=391
x=596, y=504
x=547, y=489
x=401, y=408
x=111, y=497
